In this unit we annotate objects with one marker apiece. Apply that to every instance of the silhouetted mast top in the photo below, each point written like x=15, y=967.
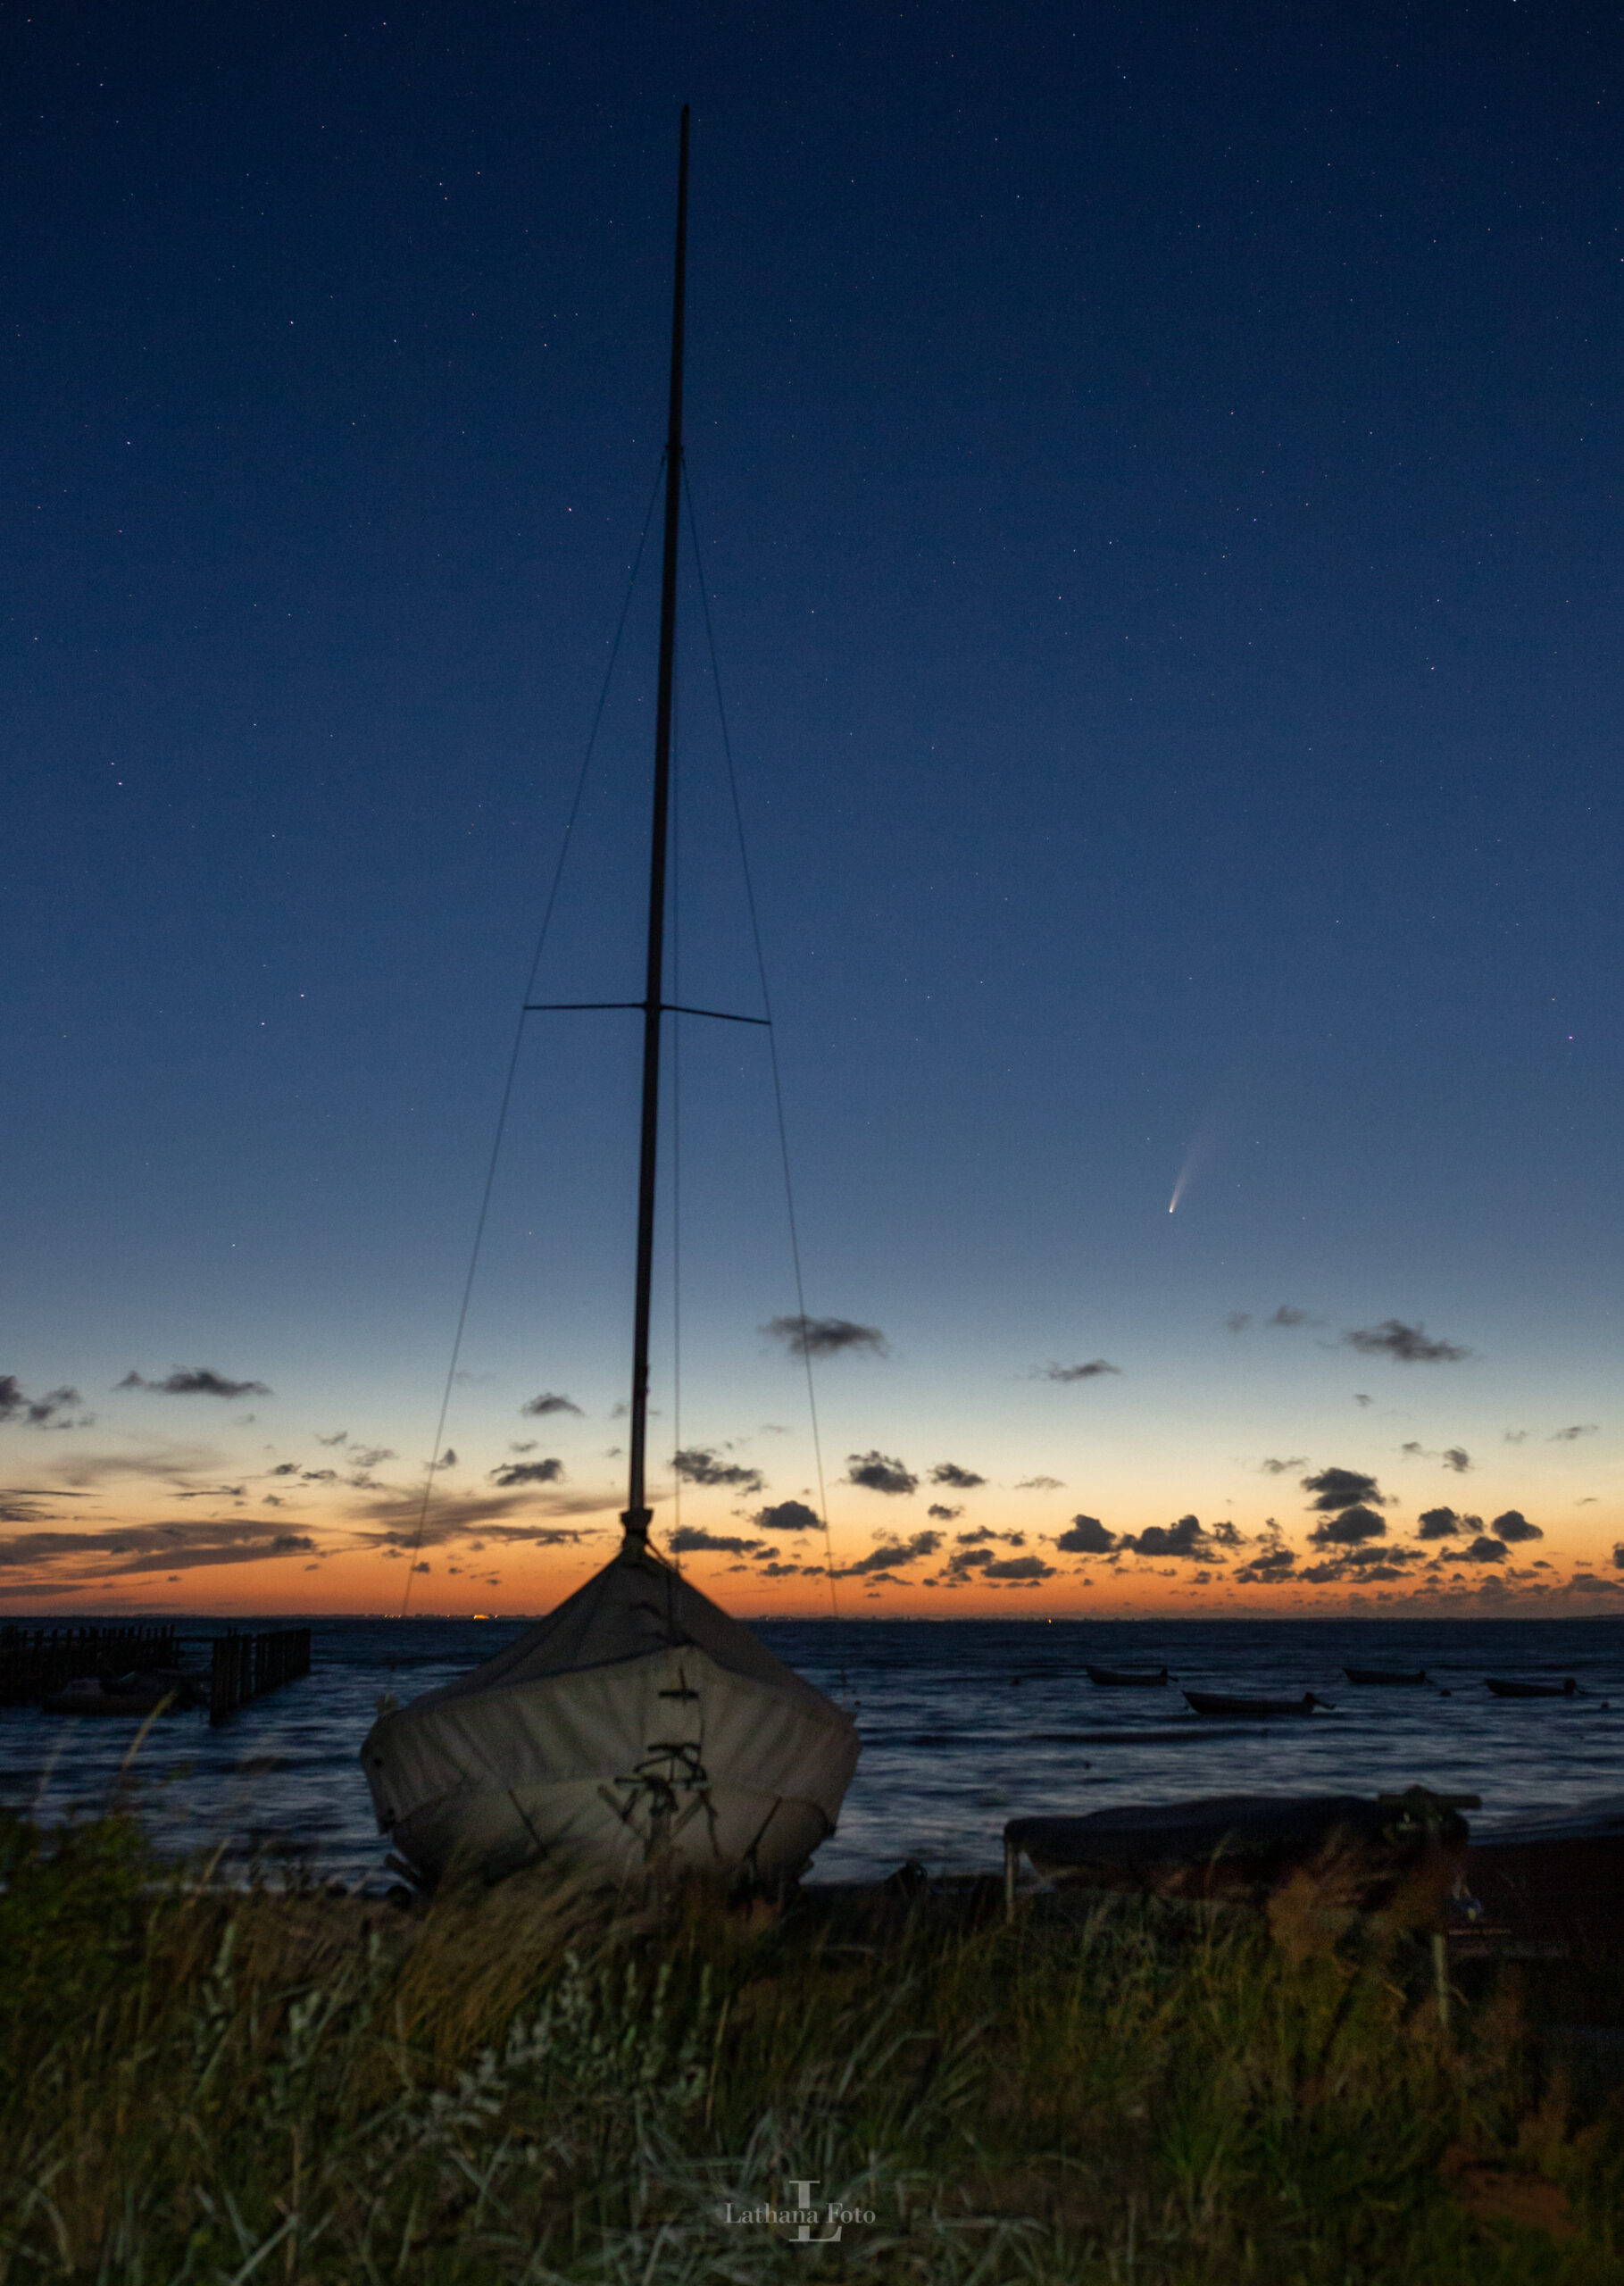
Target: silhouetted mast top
x=638, y=1515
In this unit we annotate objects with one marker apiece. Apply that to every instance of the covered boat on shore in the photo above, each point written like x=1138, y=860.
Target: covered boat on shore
x=637, y=1725
x=1243, y=1845
x=1125, y=1679
x=1508, y=1687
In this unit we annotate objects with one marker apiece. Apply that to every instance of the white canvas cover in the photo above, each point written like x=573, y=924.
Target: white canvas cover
x=637, y=1722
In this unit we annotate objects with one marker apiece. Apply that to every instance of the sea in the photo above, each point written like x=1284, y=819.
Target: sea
x=965, y=1723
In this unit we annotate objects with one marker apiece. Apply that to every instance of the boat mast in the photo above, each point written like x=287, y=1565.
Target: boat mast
x=637, y=1515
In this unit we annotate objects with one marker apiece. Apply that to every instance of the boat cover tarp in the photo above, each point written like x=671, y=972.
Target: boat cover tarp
x=1191, y=1833
x=638, y=1709
x=634, y=1605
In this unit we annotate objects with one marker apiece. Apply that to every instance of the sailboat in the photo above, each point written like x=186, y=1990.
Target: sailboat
x=637, y=1728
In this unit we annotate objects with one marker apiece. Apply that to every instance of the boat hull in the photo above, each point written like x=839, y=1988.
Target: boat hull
x=1208, y=1702
x=1551, y=1881
x=669, y=1761
x=1243, y=1847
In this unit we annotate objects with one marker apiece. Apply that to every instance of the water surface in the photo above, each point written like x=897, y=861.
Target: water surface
x=965, y=1723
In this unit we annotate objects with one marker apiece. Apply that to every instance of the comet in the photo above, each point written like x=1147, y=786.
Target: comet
x=1208, y=1131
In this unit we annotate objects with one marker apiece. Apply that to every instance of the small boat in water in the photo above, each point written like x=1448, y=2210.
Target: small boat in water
x=1215, y=1702
x=1243, y=1846
x=1388, y=1678
x=1503, y=1688
x=148, y=1691
x=1118, y=1679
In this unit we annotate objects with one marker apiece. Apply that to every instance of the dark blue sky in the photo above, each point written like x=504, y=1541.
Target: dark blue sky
x=1158, y=471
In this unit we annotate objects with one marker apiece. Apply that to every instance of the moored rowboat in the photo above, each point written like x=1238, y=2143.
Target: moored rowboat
x=1214, y=1702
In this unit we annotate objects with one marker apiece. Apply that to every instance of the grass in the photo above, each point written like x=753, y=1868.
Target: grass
x=526, y=2086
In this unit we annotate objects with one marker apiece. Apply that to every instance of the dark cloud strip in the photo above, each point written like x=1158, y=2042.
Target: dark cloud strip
x=826, y=1337
x=195, y=1381
x=1406, y=1345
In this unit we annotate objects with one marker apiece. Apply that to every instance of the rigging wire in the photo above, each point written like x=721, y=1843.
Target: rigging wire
x=772, y=1046
x=675, y=1550
x=435, y=1460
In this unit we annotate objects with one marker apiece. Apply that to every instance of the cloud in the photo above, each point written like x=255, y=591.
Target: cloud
x=1040, y=1484
x=697, y=1464
x=1516, y=1436
x=1288, y=1315
x=21, y=1504
x=1019, y=1567
x=536, y=1408
x=1348, y=1527
x=1088, y=1373
x=1443, y=1523
x=1362, y=1565
x=1340, y=1487
x=1453, y=1457
x=76, y=1557
x=1483, y=1550
x=943, y=1516
x=1238, y=1321
x=371, y=1456
x=513, y=1472
x=195, y=1381
x=1274, y=1564
x=876, y=1472
x=962, y=1479
x=1406, y=1345
x=1587, y=1584
x=787, y=1516
x=826, y=1337
x=1185, y=1539
x=983, y=1535
x=1085, y=1536
x=1360, y=1399
x=1617, y=1556
x=1283, y=1468
x=689, y=1540
x=891, y=1553
x=1515, y=1526
x=36, y=1412
x=390, y=1519
x=1557, y=1437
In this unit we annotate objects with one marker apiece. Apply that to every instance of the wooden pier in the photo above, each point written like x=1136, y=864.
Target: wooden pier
x=34, y=1661
x=246, y=1667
